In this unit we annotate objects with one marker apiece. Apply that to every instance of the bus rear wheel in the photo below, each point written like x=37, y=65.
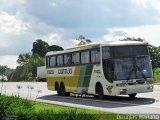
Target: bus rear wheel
x=99, y=91
x=132, y=95
x=62, y=89
x=57, y=88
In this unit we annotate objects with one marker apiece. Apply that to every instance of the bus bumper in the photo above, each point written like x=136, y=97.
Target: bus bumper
x=133, y=89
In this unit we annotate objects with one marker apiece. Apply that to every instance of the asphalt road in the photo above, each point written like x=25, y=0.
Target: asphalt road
x=145, y=103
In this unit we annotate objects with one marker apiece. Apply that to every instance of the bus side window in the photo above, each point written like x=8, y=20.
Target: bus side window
x=47, y=61
x=52, y=61
x=95, y=56
x=76, y=58
x=67, y=59
x=85, y=57
x=59, y=60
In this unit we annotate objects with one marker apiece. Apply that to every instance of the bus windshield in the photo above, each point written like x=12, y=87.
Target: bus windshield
x=126, y=62
x=133, y=68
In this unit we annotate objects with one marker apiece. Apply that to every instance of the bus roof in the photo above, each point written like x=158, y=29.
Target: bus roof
x=122, y=43
x=74, y=49
x=96, y=45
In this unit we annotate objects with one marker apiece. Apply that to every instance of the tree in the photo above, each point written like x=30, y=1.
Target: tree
x=40, y=47
x=23, y=58
x=133, y=39
x=3, y=70
x=155, y=55
x=28, y=62
x=3, y=74
x=34, y=62
x=83, y=41
x=54, y=48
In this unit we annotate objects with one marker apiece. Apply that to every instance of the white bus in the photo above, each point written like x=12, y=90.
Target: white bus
x=111, y=68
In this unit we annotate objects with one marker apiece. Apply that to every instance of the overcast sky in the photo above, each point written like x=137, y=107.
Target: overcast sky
x=62, y=21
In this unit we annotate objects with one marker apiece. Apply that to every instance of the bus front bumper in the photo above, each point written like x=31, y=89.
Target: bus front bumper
x=132, y=89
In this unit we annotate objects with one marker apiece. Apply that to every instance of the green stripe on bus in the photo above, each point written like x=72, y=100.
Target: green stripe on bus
x=85, y=76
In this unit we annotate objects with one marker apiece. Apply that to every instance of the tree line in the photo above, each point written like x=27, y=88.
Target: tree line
x=28, y=62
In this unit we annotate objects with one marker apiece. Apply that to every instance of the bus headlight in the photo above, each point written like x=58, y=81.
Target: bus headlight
x=121, y=84
x=123, y=91
x=149, y=81
x=150, y=87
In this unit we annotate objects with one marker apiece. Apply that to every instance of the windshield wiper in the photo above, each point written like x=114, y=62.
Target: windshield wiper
x=135, y=69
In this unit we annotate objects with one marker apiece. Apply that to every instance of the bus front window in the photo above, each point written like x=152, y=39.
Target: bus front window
x=108, y=64
x=130, y=62
x=108, y=68
x=133, y=68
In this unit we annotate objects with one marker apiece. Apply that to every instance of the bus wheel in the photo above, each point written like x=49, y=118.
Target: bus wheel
x=132, y=95
x=57, y=88
x=99, y=91
x=67, y=94
x=62, y=89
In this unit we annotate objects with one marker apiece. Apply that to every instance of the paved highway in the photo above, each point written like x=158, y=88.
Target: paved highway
x=145, y=103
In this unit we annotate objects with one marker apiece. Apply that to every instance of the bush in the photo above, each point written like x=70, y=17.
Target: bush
x=157, y=75
x=13, y=105
x=24, y=110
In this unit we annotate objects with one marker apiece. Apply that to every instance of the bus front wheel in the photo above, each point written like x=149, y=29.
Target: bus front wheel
x=99, y=91
x=132, y=95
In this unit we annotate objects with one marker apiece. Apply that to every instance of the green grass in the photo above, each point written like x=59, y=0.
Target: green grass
x=46, y=107
x=28, y=110
x=100, y=115
x=157, y=75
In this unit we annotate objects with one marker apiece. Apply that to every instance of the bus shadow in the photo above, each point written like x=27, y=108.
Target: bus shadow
x=136, y=100
x=107, y=102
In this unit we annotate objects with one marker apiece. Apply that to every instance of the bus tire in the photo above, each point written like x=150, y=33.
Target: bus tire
x=132, y=95
x=67, y=94
x=57, y=88
x=99, y=91
x=62, y=89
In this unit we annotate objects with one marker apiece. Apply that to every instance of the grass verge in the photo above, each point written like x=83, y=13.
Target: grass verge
x=22, y=109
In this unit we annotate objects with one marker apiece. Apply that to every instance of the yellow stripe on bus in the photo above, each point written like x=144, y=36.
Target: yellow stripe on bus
x=70, y=82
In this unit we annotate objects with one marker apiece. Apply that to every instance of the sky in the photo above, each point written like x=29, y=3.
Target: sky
x=60, y=22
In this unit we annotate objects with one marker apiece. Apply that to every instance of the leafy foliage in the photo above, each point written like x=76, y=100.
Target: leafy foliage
x=40, y=47
x=23, y=58
x=28, y=62
x=24, y=110
x=155, y=55
x=5, y=72
x=3, y=69
x=157, y=75
x=54, y=48
x=14, y=106
x=21, y=73
x=133, y=39
x=34, y=62
x=82, y=40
